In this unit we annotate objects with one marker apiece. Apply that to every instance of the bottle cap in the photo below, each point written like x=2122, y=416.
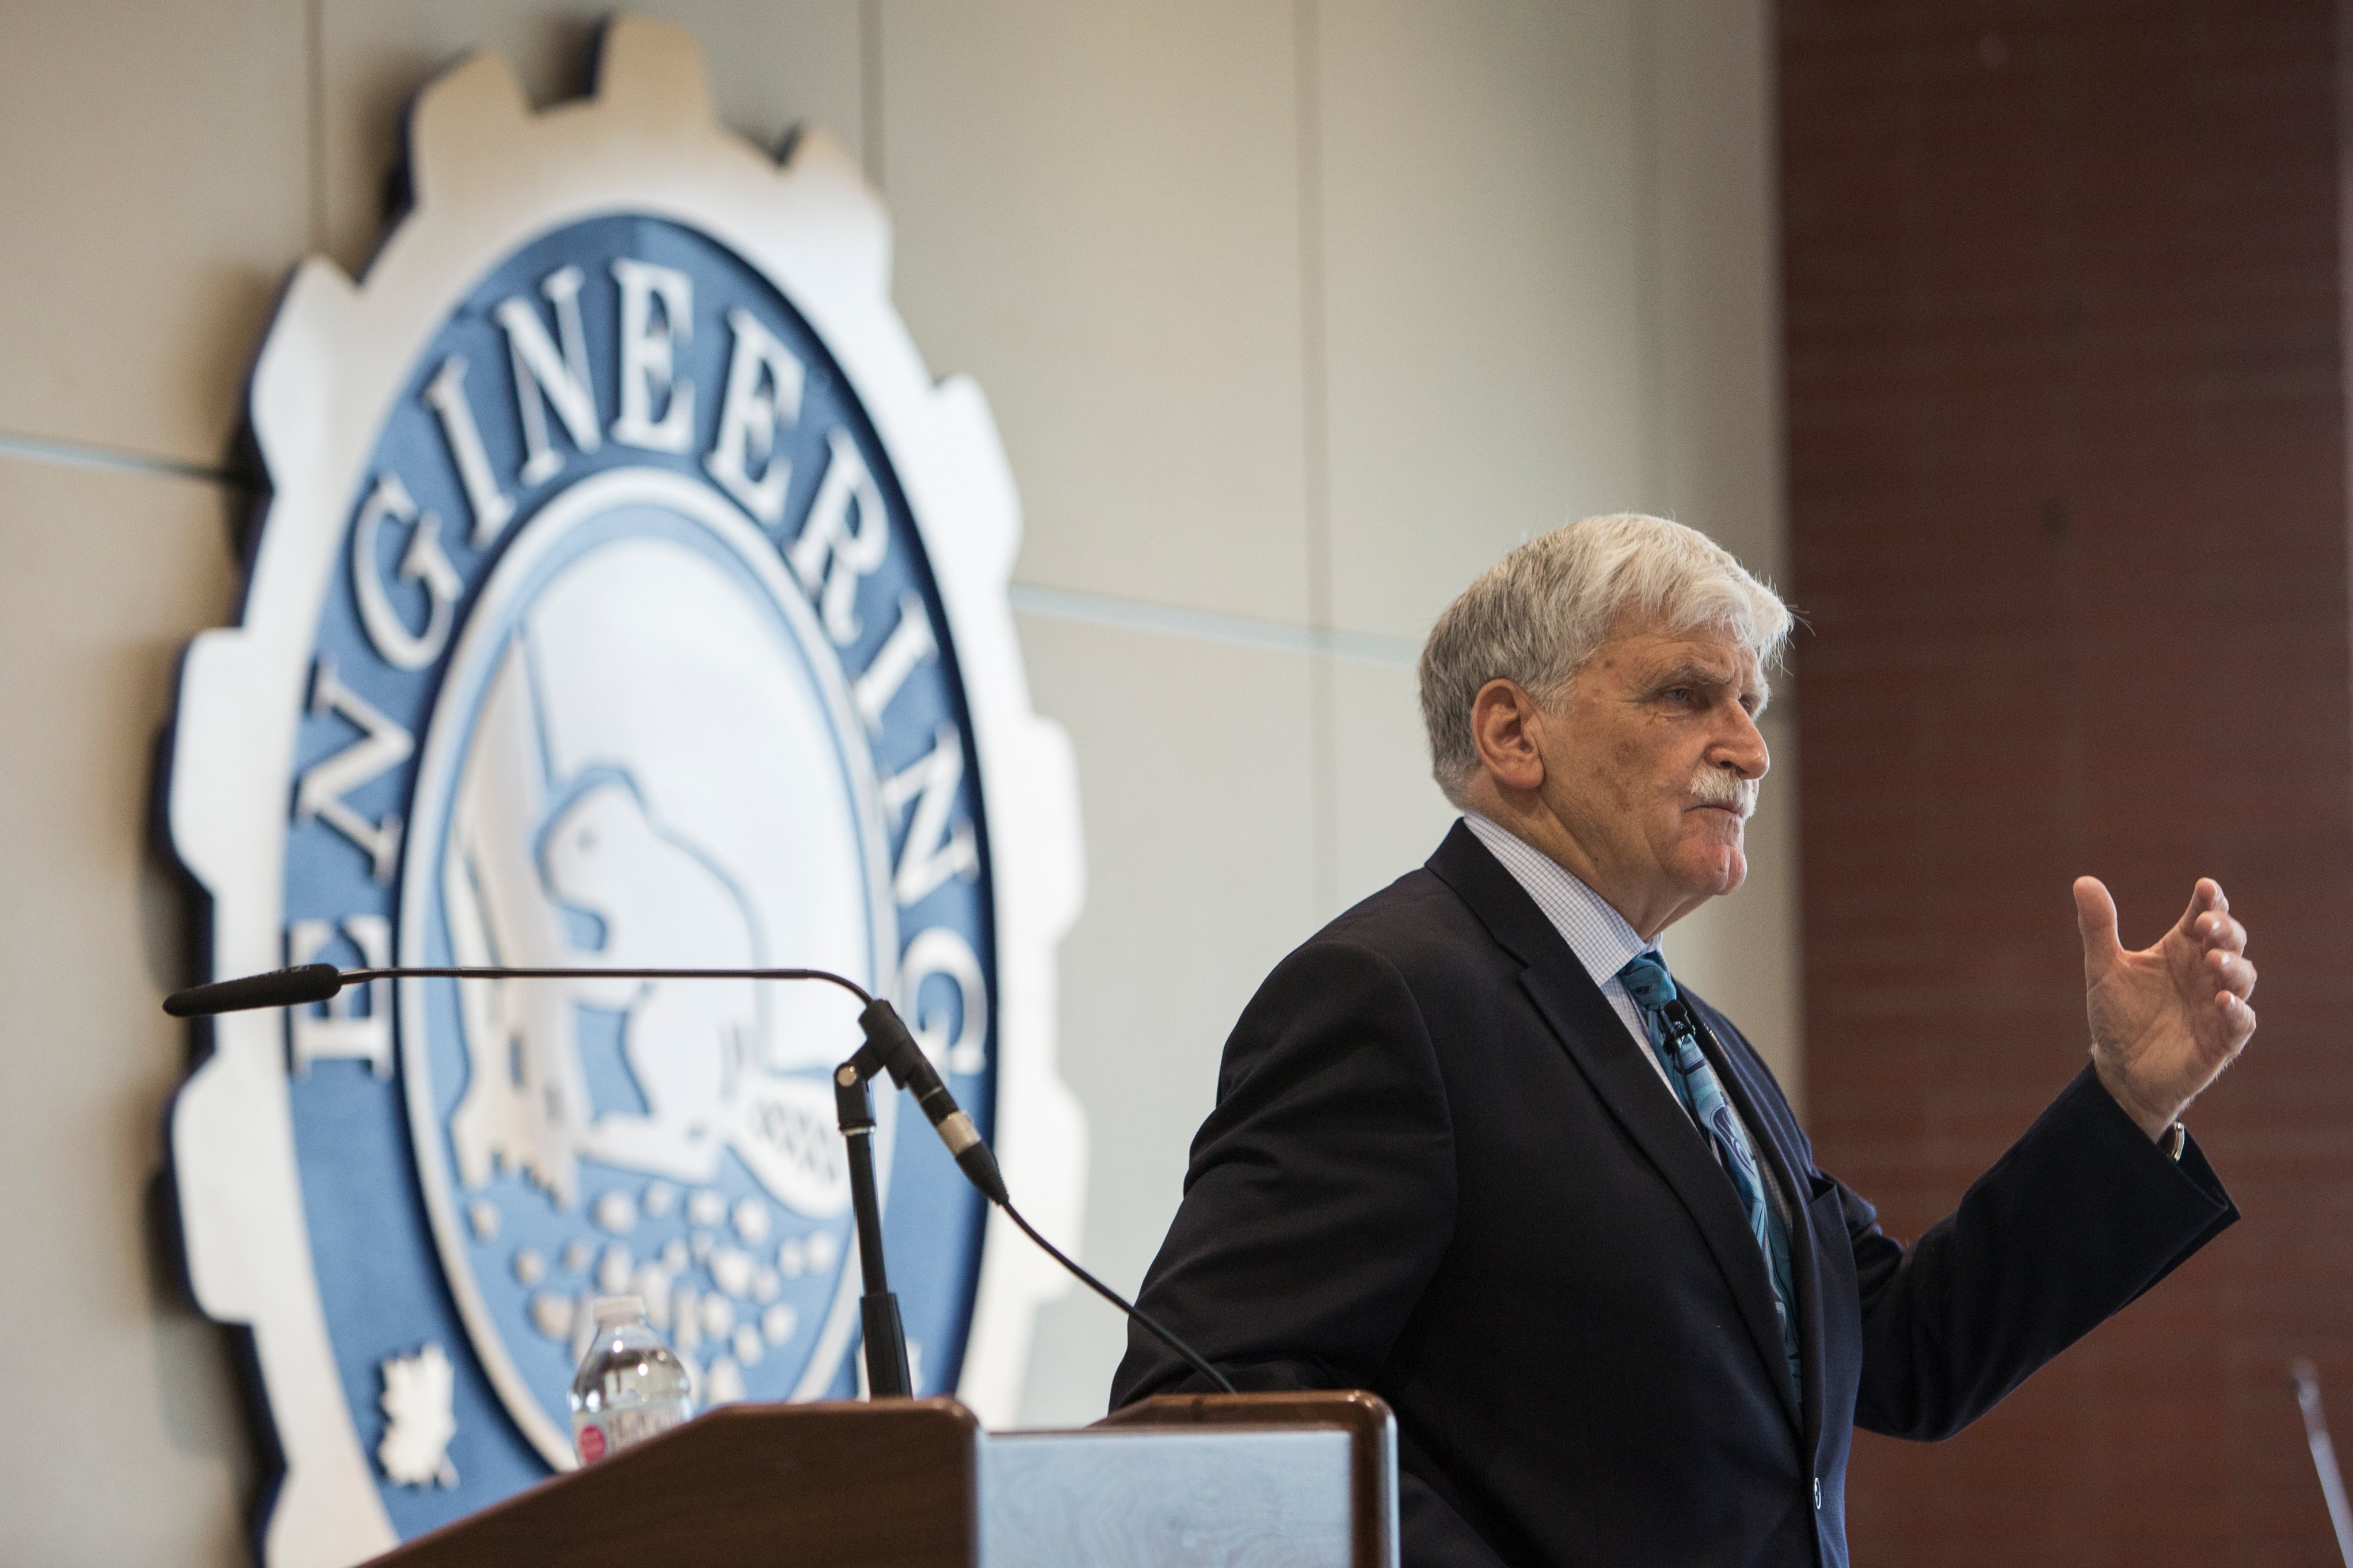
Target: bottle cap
x=618, y=1309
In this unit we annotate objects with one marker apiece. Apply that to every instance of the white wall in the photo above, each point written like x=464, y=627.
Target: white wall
x=1293, y=317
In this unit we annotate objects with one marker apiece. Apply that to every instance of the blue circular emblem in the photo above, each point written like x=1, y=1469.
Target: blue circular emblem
x=631, y=658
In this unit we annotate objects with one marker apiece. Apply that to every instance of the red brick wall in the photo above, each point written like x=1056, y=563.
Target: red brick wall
x=2068, y=495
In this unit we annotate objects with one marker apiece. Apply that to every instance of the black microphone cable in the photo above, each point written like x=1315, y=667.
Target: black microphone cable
x=1135, y=1314
x=889, y=1046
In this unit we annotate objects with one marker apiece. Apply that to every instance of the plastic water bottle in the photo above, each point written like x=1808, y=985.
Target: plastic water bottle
x=630, y=1385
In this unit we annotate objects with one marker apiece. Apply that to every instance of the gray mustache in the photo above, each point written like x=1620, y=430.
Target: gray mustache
x=1721, y=786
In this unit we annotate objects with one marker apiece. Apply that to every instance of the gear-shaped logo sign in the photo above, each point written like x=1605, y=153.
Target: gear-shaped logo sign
x=626, y=596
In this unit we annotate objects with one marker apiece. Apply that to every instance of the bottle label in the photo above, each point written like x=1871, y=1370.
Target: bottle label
x=616, y=1429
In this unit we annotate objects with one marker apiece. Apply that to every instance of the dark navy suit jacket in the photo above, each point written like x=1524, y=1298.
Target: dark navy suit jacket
x=1442, y=1169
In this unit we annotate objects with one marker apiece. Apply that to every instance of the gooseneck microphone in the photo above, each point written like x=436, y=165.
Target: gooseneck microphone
x=307, y=983
x=294, y=988
x=890, y=1048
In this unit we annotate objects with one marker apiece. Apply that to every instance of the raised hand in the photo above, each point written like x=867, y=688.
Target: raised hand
x=2166, y=1019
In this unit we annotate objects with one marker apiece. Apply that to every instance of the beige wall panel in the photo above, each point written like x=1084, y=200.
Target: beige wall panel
x=109, y=575
x=154, y=175
x=773, y=66
x=1480, y=176
x=1194, y=778
x=1097, y=211
x=1388, y=814
x=1718, y=335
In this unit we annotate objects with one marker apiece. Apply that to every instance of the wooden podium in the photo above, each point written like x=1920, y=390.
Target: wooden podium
x=1303, y=1480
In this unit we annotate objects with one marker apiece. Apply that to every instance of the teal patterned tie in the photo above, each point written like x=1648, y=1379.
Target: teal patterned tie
x=1667, y=1020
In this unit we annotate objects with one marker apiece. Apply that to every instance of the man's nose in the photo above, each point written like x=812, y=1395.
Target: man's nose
x=1742, y=745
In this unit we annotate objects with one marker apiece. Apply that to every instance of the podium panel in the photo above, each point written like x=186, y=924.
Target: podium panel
x=1141, y=1498
x=1252, y=1480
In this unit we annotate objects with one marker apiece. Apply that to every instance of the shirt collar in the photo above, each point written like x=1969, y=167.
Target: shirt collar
x=1597, y=933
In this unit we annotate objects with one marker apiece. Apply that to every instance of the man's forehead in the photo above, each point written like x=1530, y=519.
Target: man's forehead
x=1650, y=645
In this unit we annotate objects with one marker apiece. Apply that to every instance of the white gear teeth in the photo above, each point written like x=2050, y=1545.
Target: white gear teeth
x=820, y=174
x=321, y=308
x=652, y=74
x=457, y=127
x=961, y=418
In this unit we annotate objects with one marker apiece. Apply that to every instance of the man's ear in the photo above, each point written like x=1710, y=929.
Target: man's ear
x=1503, y=723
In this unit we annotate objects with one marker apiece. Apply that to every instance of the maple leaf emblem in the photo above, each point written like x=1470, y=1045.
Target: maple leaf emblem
x=416, y=1401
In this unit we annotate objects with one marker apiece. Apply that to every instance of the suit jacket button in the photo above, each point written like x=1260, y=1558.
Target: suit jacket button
x=1818, y=1491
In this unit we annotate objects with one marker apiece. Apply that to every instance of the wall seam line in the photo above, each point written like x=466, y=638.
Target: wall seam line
x=108, y=460
x=1321, y=643
x=1050, y=604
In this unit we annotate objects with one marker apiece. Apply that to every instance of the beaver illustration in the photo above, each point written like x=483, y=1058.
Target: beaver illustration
x=689, y=1042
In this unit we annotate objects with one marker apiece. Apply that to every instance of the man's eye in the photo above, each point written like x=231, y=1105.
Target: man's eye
x=1679, y=694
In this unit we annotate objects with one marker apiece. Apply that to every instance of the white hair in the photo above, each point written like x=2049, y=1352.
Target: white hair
x=1539, y=614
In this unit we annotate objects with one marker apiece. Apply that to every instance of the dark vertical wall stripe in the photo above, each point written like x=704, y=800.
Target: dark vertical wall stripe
x=2068, y=503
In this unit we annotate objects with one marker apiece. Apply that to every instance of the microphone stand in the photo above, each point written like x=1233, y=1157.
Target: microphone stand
x=885, y=1336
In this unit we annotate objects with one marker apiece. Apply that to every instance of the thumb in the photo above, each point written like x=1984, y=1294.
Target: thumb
x=2095, y=921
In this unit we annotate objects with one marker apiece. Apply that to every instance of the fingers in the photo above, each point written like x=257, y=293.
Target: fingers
x=2207, y=917
x=2221, y=933
x=2209, y=922
x=2238, y=1015
x=2095, y=921
x=2236, y=975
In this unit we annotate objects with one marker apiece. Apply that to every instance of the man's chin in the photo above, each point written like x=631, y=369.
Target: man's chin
x=1716, y=871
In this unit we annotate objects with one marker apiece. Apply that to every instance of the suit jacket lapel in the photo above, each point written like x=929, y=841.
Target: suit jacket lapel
x=1597, y=1041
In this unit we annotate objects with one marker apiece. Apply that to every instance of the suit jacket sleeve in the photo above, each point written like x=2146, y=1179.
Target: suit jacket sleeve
x=2080, y=1217
x=1318, y=1201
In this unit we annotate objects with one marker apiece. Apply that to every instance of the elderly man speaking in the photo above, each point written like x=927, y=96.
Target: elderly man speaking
x=1474, y=1149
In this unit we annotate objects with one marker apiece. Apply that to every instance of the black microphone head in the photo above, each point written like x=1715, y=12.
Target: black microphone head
x=278, y=988
x=887, y=1035
x=902, y=1059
